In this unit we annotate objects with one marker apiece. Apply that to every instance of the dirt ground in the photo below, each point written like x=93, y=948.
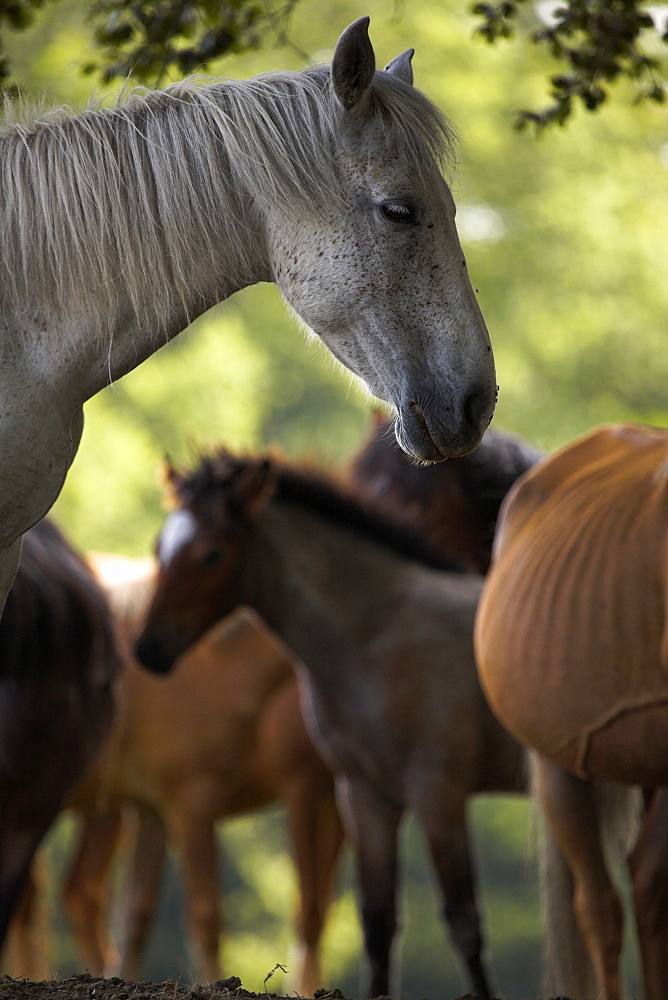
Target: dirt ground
x=85, y=987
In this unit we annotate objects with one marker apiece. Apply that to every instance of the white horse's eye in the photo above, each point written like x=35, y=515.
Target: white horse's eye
x=398, y=211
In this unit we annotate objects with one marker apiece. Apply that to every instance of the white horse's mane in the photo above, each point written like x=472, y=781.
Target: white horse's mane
x=106, y=206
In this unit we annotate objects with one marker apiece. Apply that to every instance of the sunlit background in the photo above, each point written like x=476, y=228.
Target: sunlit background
x=566, y=240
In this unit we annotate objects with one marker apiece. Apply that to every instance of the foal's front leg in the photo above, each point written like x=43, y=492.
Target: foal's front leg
x=371, y=822
x=442, y=814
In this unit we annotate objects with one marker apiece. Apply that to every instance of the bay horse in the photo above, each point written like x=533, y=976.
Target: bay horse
x=455, y=503
x=571, y=642
x=383, y=630
x=222, y=736
x=120, y=226
x=58, y=660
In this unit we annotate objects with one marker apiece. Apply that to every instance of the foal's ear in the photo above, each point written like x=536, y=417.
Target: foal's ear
x=169, y=478
x=353, y=65
x=401, y=66
x=254, y=487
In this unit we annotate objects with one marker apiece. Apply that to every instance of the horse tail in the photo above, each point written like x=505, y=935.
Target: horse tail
x=568, y=970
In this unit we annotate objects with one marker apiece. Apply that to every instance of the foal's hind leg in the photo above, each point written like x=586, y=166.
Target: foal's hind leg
x=570, y=809
x=372, y=823
x=649, y=870
x=443, y=818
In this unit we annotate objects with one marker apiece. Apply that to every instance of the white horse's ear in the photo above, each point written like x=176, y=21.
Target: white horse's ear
x=353, y=65
x=401, y=66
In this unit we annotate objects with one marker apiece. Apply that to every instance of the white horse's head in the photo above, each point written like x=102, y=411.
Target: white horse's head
x=378, y=272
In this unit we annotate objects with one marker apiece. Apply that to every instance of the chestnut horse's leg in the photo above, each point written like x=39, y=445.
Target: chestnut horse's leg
x=372, y=824
x=316, y=836
x=29, y=945
x=649, y=869
x=85, y=893
x=443, y=819
x=140, y=894
x=195, y=836
x=12, y=884
x=569, y=807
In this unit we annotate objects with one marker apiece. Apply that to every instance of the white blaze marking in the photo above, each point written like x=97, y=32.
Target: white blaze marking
x=178, y=530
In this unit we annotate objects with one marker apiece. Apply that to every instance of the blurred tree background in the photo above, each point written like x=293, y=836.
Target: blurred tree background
x=566, y=238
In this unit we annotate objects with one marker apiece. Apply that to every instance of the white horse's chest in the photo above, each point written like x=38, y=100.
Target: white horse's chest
x=40, y=431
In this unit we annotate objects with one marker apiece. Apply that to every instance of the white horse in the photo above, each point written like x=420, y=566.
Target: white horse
x=119, y=227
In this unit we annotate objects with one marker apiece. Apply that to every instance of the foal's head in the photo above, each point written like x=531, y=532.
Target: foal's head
x=200, y=552
x=376, y=268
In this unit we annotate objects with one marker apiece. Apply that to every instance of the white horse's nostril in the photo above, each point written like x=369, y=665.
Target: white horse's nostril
x=473, y=409
x=478, y=409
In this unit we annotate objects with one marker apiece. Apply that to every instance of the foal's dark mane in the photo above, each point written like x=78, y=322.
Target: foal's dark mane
x=341, y=502
x=486, y=474
x=470, y=487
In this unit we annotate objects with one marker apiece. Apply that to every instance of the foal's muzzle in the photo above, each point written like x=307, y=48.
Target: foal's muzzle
x=158, y=650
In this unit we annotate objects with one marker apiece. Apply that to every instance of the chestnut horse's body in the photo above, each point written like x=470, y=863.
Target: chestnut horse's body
x=572, y=646
x=122, y=225
x=386, y=641
x=58, y=659
x=224, y=735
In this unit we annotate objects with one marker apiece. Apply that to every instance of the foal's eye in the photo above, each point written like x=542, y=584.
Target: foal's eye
x=398, y=211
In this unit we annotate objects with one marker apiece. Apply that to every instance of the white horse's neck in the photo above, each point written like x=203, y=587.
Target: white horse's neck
x=122, y=227
x=112, y=244
x=99, y=351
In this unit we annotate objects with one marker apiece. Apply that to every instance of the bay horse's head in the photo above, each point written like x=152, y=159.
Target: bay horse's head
x=377, y=270
x=200, y=553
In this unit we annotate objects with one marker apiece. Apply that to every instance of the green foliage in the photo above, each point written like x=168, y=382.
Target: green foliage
x=147, y=40
x=150, y=41
x=17, y=15
x=599, y=41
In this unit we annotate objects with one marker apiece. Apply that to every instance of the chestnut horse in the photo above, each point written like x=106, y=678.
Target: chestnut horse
x=58, y=659
x=572, y=646
x=383, y=630
x=120, y=226
x=222, y=736
x=455, y=503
